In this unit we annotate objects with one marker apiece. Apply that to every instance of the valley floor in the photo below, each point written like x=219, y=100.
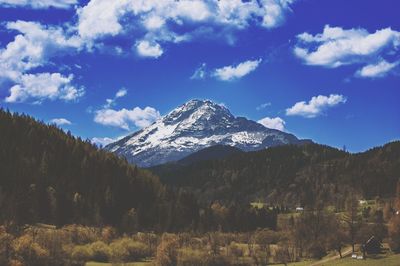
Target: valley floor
x=383, y=260
x=387, y=259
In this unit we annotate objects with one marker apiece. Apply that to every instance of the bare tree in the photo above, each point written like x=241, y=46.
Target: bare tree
x=351, y=218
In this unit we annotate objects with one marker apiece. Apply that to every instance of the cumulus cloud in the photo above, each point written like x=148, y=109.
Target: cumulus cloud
x=175, y=21
x=101, y=17
x=60, y=121
x=39, y=87
x=273, y=123
x=149, y=49
x=229, y=73
x=315, y=106
x=39, y=4
x=336, y=46
x=125, y=118
x=377, y=70
x=32, y=48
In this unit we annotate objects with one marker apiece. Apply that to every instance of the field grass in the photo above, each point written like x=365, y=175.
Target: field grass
x=119, y=264
x=300, y=263
x=383, y=260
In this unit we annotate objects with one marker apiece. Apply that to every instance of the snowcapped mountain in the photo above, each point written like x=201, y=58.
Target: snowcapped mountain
x=194, y=126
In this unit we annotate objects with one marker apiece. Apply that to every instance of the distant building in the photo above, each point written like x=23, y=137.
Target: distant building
x=362, y=202
x=299, y=209
x=372, y=246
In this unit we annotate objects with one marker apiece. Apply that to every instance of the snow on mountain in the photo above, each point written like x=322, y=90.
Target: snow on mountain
x=194, y=126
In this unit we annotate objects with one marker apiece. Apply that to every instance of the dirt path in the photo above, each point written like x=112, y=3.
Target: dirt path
x=344, y=254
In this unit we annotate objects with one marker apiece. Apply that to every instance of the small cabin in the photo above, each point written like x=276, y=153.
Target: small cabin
x=372, y=246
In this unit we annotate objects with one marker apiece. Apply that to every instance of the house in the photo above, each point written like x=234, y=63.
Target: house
x=362, y=202
x=299, y=209
x=372, y=246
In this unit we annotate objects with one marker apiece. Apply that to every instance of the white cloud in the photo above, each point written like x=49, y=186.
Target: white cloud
x=377, y=70
x=101, y=17
x=273, y=123
x=153, y=22
x=228, y=73
x=60, y=121
x=200, y=72
x=121, y=93
x=263, y=106
x=124, y=118
x=30, y=49
x=42, y=86
x=33, y=47
x=195, y=10
x=149, y=49
x=158, y=22
x=315, y=106
x=104, y=141
x=336, y=46
x=111, y=102
x=39, y=4
x=274, y=12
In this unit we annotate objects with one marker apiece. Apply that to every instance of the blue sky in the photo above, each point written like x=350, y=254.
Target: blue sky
x=326, y=70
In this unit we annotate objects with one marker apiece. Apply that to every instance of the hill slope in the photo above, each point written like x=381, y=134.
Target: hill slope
x=291, y=175
x=211, y=153
x=52, y=177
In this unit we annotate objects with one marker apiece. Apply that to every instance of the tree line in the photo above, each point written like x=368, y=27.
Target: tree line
x=293, y=175
x=49, y=176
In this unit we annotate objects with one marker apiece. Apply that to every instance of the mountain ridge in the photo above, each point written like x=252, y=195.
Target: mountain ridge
x=193, y=126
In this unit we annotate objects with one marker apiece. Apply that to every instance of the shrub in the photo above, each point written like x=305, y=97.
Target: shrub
x=15, y=263
x=394, y=233
x=82, y=234
x=81, y=254
x=282, y=255
x=100, y=251
x=167, y=250
x=236, y=250
x=108, y=233
x=127, y=249
x=193, y=257
x=189, y=257
x=5, y=246
x=218, y=260
x=316, y=250
x=51, y=239
x=30, y=252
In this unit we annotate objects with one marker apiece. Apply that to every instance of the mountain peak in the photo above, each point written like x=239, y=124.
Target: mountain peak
x=197, y=110
x=193, y=126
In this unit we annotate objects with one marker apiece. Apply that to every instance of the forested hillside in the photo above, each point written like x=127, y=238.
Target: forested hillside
x=49, y=176
x=291, y=175
x=52, y=177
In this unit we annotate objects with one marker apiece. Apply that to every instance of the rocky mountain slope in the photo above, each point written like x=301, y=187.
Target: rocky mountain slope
x=196, y=125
